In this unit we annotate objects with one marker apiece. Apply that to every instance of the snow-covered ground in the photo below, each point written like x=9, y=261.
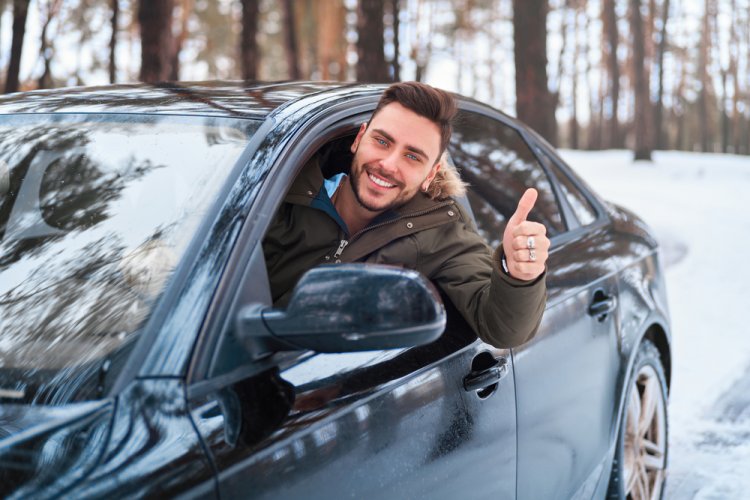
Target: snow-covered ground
x=697, y=205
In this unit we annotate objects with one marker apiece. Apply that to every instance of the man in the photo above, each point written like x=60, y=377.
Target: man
x=395, y=207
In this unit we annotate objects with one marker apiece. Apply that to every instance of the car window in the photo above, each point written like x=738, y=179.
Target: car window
x=95, y=213
x=580, y=205
x=499, y=166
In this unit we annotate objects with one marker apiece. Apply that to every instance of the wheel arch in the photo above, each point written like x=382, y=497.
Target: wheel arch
x=658, y=336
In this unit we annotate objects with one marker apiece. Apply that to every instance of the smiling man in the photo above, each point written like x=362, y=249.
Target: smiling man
x=397, y=206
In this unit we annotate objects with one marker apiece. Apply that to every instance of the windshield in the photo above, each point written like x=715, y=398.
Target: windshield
x=95, y=213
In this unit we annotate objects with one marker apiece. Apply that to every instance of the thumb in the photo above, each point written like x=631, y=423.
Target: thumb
x=525, y=204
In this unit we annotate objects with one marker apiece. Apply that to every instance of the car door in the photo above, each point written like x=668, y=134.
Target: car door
x=565, y=377
x=431, y=421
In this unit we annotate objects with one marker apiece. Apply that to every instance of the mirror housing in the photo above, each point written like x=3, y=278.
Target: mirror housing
x=348, y=308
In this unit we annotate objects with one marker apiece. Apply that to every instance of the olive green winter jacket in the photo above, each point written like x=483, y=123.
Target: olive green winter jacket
x=434, y=237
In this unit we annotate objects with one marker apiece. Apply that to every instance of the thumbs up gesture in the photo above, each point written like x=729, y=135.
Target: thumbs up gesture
x=525, y=243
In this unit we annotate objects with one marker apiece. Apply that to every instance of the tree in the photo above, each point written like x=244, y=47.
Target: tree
x=248, y=42
x=661, y=52
x=395, y=12
x=331, y=49
x=20, y=12
x=113, y=41
x=612, y=37
x=155, y=20
x=533, y=98
x=290, y=41
x=371, y=64
x=704, y=94
x=52, y=9
x=642, y=120
x=186, y=9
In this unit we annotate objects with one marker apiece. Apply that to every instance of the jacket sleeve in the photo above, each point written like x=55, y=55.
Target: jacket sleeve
x=504, y=312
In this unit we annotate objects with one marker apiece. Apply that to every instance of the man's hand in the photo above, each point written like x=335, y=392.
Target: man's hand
x=524, y=242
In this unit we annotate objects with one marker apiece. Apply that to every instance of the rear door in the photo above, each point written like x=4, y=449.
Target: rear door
x=565, y=377
x=379, y=424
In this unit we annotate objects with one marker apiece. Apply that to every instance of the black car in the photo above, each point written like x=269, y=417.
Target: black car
x=140, y=354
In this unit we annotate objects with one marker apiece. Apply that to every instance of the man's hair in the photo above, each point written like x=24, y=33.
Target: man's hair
x=436, y=105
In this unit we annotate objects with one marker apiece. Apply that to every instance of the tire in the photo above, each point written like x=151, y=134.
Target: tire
x=639, y=468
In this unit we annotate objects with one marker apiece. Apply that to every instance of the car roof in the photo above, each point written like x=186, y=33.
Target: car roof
x=213, y=98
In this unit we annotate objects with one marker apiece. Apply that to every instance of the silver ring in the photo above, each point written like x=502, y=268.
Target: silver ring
x=532, y=255
x=530, y=243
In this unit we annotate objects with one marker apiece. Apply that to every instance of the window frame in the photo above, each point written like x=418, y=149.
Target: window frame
x=488, y=112
x=246, y=258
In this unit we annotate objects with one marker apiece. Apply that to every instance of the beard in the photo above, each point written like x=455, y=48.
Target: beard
x=357, y=174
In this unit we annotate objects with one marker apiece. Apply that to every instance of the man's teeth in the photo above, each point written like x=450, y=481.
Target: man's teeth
x=379, y=182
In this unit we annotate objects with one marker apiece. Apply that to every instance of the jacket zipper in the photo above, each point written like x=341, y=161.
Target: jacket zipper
x=344, y=243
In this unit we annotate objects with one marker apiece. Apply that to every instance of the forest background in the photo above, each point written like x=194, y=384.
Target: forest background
x=587, y=74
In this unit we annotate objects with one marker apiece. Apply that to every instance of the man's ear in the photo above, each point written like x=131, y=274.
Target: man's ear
x=355, y=144
x=433, y=172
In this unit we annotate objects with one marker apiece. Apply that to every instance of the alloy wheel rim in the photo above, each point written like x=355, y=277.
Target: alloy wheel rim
x=645, y=444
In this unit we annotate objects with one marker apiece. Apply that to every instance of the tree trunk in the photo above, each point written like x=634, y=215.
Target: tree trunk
x=20, y=12
x=574, y=128
x=45, y=48
x=290, y=41
x=396, y=10
x=613, y=69
x=371, y=64
x=155, y=20
x=249, y=43
x=705, y=80
x=186, y=8
x=533, y=98
x=331, y=48
x=642, y=126
x=658, y=115
x=113, y=41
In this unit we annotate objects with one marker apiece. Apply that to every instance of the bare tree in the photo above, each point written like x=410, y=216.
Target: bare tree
x=661, y=52
x=290, y=40
x=331, y=44
x=186, y=9
x=46, y=50
x=704, y=94
x=612, y=37
x=20, y=12
x=249, y=42
x=113, y=41
x=155, y=20
x=371, y=63
x=533, y=98
x=642, y=119
x=396, y=11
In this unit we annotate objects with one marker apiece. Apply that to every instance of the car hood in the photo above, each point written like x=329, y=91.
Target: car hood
x=38, y=444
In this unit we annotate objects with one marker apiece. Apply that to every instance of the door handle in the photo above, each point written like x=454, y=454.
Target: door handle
x=477, y=380
x=602, y=305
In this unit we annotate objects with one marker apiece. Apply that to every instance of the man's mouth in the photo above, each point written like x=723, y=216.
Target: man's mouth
x=380, y=182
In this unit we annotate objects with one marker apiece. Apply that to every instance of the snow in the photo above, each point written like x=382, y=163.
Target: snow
x=694, y=203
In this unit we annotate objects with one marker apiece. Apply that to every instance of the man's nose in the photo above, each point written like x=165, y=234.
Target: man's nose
x=390, y=161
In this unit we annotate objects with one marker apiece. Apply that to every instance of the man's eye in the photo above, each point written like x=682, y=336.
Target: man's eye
x=412, y=157
x=382, y=142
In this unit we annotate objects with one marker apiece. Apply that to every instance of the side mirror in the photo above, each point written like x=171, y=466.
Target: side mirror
x=346, y=308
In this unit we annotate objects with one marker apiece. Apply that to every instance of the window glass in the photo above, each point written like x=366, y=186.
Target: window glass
x=95, y=213
x=499, y=166
x=581, y=206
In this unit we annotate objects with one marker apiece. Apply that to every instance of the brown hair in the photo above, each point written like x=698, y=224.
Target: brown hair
x=436, y=105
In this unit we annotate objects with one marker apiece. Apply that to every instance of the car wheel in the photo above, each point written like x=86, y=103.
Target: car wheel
x=640, y=464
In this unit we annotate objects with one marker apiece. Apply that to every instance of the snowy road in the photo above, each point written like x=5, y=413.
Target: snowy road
x=696, y=205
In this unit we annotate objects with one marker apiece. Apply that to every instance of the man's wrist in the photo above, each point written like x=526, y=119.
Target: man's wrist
x=504, y=263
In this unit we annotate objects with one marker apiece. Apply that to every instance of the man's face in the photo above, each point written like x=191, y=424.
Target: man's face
x=394, y=157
